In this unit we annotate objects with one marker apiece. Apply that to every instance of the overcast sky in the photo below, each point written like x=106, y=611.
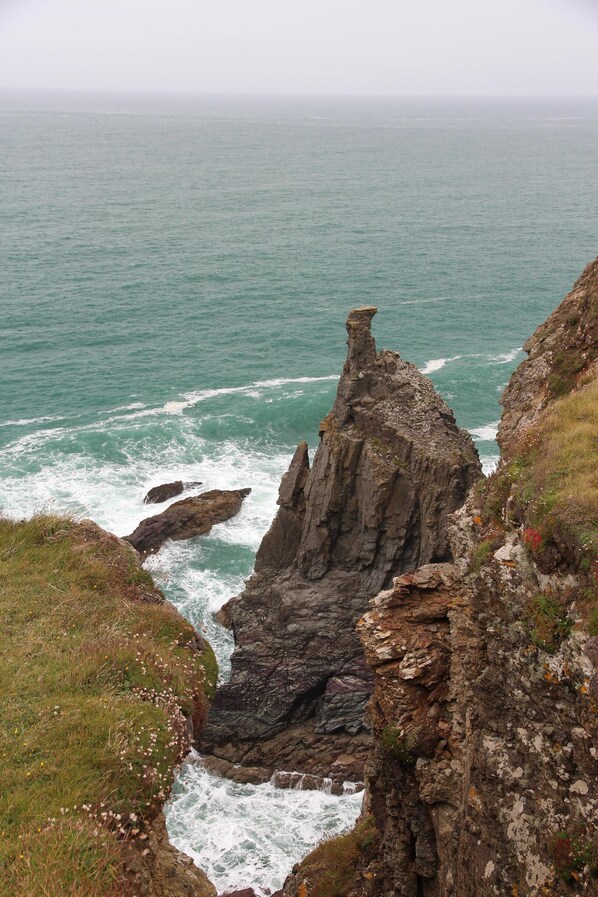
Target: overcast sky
x=303, y=46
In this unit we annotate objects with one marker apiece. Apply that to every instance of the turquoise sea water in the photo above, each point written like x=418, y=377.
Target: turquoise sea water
x=176, y=273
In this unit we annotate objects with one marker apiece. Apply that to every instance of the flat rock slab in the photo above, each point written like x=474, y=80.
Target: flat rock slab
x=189, y=517
x=158, y=494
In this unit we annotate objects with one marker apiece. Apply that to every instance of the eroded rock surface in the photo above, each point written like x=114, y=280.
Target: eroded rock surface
x=161, y=493
x=160, y=870
x=486, y=745
x=483, y=776
x=189, y=517
x=562, y=351
x=390, y=468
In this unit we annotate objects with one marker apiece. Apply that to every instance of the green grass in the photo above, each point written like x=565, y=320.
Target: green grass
x=549, y=622
x=98, y=674
x=330, y=869
x=552, y=484
x=558, y=478
x=480, y=555
x=400, y=747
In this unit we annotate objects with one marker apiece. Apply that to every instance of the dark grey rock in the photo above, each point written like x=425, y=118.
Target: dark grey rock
x=391, y=466
x=194, y=516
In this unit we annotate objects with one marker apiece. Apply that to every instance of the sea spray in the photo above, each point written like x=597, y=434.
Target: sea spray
x=251, y=835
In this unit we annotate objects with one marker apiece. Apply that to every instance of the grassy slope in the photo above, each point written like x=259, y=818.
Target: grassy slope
x=97, y=675
x=330, y=869
x=560, y=460
x=551, y=481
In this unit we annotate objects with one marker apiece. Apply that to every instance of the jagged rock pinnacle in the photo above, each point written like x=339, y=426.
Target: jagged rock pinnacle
x=390, y=468
x=362, y=347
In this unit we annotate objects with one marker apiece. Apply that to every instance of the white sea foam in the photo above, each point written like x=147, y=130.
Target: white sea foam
x=423, y=301
x=27, y=421
x=487, y=433
x=191, y=399
x=435, y=364
x=251, y=835
x=194, y=398
x=489, y=463
x=505, y=357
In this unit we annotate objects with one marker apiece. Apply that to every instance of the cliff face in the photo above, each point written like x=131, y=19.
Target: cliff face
x=390, y=468
x=561, y=352
x=482, y=781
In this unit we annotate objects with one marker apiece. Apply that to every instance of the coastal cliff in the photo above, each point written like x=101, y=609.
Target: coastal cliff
x=483, y=776
x=103, y=686
x=390, y=468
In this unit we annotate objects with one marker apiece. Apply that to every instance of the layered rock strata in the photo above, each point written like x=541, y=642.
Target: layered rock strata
x=390, y=468
x=483, y=776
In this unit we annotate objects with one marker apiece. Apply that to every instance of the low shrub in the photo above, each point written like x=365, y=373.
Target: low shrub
x=331, y=869
x=480, y=555
x=401, y=747
x=549, y=621
x=573, y=851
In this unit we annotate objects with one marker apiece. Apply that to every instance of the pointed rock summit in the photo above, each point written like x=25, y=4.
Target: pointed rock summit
x=391, y=466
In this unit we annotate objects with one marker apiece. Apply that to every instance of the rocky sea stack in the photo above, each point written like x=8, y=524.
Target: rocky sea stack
x=483, y=776
x=392, y=465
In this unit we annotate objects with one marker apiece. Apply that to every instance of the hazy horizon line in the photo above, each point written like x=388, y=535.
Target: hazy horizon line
x=294, y=94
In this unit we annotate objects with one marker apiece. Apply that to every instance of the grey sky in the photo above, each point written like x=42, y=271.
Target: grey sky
x=303, y=46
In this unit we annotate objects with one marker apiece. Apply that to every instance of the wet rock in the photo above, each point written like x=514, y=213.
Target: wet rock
x=244, y=775
x=189, y=517
x=160, y=870
x=158, y=494
x=243, y=892
x=225, y=614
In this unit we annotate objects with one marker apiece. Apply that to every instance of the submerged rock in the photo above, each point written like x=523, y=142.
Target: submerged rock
x=391, y=466
x=158, y=494
x=189, y=517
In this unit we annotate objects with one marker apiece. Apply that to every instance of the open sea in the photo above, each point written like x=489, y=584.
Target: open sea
x=176, y=274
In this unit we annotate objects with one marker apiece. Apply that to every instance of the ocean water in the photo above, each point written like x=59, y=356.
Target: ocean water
x=176, y=273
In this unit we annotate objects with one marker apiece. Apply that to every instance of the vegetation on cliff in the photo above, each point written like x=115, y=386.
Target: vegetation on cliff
x=493, y=661
x=329, y=870
x=102, y=681
x=549, y=487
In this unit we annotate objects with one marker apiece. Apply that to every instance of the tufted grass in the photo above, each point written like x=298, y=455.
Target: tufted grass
x=97, y=675
x=330, y=870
